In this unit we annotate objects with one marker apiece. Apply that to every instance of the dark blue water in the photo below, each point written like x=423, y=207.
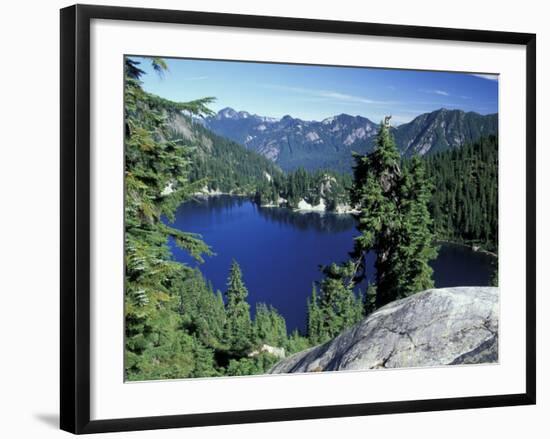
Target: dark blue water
x=280, y=251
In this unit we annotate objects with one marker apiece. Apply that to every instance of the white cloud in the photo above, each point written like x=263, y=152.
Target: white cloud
x=195, y=78
x=436, y=92
x=485, y=76
x=344, y=97
x=331, y=95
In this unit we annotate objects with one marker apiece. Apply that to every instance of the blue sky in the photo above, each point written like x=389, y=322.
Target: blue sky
x=317, y=92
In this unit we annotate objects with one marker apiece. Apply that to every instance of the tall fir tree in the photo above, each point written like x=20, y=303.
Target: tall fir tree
x=315, y=328
x=269, y=326
x=296, y=342
x=415, y=239
x=337, y=307
x=238, y=326
x=394, y=221
x=375, y=192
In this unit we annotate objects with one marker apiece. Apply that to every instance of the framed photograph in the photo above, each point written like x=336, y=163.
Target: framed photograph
x=273, y=218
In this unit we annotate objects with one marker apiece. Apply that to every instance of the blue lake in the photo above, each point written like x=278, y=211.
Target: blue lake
x=280, y=251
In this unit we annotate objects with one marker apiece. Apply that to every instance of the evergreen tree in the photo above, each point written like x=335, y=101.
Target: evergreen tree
x=238, y=327
x=337, y=307
x=375, y=192
x=204, y=363
x=269, y=326
x=394, y=221
x=296, y=343
x=415, y=240
x=315, y=327
x=258, y=364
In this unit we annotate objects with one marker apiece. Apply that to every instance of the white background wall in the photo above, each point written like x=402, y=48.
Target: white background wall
x=29, y=200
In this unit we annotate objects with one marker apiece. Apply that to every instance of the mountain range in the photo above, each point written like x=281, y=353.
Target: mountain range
x=293, y=143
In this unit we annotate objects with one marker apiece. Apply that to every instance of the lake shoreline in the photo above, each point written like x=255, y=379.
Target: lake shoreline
x=469, y=246
x=305, y=209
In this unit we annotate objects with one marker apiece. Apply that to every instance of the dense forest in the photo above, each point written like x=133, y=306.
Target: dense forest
x=177, y=326
x=465, y=204
x=311, y=186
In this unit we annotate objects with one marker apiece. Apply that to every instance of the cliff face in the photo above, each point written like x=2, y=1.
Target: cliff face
x=432, y=328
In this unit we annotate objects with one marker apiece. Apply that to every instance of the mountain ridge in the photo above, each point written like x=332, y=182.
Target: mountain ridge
x=293, y=142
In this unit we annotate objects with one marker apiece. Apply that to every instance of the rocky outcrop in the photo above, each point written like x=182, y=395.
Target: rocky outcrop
x=273, y=350
x=304, y=206
x=435, y=327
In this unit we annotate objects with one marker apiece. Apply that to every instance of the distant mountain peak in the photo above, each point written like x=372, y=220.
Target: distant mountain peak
x=227, y=113
x=232, y=114
x=328, y=120
x=292, y=142
x=443, y=129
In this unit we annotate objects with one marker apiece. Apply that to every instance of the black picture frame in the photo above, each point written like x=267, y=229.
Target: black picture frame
x=75, y=217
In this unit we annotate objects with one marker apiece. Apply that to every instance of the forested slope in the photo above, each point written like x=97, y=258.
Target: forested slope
x=464, y=204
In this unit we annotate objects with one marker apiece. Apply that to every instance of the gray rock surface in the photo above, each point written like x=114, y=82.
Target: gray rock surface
x=432, y=328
